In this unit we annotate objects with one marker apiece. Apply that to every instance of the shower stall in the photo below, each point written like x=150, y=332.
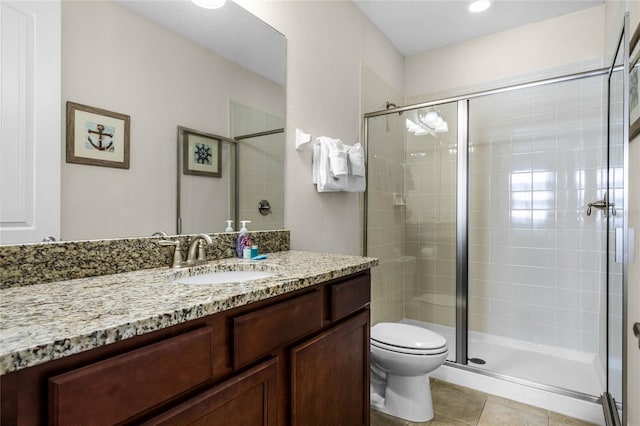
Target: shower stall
x=494, y=216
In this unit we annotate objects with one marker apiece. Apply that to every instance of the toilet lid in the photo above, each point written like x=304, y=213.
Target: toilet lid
x=407, y=336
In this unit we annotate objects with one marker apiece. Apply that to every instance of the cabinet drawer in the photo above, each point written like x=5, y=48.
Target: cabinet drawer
x=114, y=390
x=258, y=333
x=247, y=399
x=349, y=296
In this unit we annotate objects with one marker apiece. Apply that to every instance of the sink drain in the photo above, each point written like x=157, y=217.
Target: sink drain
x=479, y=361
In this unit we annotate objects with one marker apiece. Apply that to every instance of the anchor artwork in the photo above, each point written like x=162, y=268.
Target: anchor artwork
x=100, y=137
x=97, y=137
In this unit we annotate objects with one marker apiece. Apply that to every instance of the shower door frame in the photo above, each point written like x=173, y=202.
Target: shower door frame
x=622, y=46
x=462, y=198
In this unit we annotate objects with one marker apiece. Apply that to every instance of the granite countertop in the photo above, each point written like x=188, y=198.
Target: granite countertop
x=43, y=322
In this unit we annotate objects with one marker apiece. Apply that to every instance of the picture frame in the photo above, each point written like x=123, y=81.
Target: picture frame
x=634, y=87
x=201, y=153
x=97, y=137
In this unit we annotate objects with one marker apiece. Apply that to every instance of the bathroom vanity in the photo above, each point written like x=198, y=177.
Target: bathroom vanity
x=289, y=349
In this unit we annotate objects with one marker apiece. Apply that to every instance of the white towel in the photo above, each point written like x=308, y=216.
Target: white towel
x=356, y=160
x=325, y=181
x=322, y=170
x=337, y=157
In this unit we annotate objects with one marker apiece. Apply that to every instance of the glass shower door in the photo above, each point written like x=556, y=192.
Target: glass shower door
x=411, y=217
x=536, y=259
x=617, y=225
x=430, y=175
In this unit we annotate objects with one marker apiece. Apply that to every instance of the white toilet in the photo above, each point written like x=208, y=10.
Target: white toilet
x=402, y=356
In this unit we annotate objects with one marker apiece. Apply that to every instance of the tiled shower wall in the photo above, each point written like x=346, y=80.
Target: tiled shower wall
x=261, y=174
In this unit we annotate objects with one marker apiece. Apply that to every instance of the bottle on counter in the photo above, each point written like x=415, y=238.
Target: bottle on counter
x=244, y=241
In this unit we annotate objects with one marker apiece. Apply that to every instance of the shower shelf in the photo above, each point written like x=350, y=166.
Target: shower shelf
x=399, y=199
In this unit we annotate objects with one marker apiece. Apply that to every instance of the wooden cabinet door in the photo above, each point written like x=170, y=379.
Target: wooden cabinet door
x=330, y=376
x=248, y=399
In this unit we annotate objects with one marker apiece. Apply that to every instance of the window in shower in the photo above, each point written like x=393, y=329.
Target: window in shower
x=537, y=261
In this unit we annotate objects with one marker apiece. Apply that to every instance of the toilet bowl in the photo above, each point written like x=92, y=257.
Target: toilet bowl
x=402, y=356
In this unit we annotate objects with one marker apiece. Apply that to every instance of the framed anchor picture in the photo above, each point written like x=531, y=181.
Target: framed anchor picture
x=201, y=153
x=97, y=137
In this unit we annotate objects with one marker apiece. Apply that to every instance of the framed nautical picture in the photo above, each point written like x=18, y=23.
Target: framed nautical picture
x=201, y=153
x=97, y=137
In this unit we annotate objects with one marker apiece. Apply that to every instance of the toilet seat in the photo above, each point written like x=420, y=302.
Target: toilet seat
x=407, y=339
x=409, y=351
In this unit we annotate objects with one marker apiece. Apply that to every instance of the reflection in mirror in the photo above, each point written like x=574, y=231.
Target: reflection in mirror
x=206, y=187
x=163, y=80
x=261, y=146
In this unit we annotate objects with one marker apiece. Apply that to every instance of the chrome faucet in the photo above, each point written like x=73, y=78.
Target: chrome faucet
x=196, y=254
x=178, y=253
x=178, y=257
x=198, y=243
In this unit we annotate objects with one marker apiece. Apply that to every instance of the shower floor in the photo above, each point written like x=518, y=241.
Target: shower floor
x=547, y=365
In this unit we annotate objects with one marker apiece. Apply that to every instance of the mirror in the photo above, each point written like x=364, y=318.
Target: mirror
x=170, y=64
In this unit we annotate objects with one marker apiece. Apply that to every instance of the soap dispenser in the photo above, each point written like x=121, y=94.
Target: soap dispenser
x=229, y=228
x=244, y=240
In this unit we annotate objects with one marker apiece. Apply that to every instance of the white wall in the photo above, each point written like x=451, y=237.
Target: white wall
x=326, y=44
x=540, y=46
x=161, y=81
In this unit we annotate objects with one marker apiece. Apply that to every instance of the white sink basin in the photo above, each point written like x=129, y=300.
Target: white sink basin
x=220, y=277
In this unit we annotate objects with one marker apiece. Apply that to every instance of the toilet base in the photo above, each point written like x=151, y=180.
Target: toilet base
x=406, y=397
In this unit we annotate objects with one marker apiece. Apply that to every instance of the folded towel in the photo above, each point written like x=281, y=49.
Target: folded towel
x=337, y=157
x=323, y=177
x=325, y=181
x=356, y=160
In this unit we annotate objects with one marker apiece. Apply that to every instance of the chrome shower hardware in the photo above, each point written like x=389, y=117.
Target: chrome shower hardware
x=603, y=204
x=264, y=207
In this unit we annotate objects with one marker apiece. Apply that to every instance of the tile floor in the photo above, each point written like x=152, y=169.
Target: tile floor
x=459, y=406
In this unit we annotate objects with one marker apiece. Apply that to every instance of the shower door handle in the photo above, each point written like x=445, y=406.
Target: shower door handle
x=636, y=332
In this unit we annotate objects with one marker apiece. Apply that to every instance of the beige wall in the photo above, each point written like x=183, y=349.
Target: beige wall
x=326, y=44
x=161, y=81
x=531, y=48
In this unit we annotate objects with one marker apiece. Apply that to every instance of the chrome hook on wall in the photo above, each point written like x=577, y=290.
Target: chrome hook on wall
x=603, y=204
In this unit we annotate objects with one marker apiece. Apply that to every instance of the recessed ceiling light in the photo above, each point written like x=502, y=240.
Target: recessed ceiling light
x=479, y=6
x=210, y=4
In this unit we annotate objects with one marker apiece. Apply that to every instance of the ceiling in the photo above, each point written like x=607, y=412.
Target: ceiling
x=413, y=27
x=230, y=31
x=421, y=25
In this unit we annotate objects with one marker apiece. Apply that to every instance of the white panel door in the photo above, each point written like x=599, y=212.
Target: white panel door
x=30, y=148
